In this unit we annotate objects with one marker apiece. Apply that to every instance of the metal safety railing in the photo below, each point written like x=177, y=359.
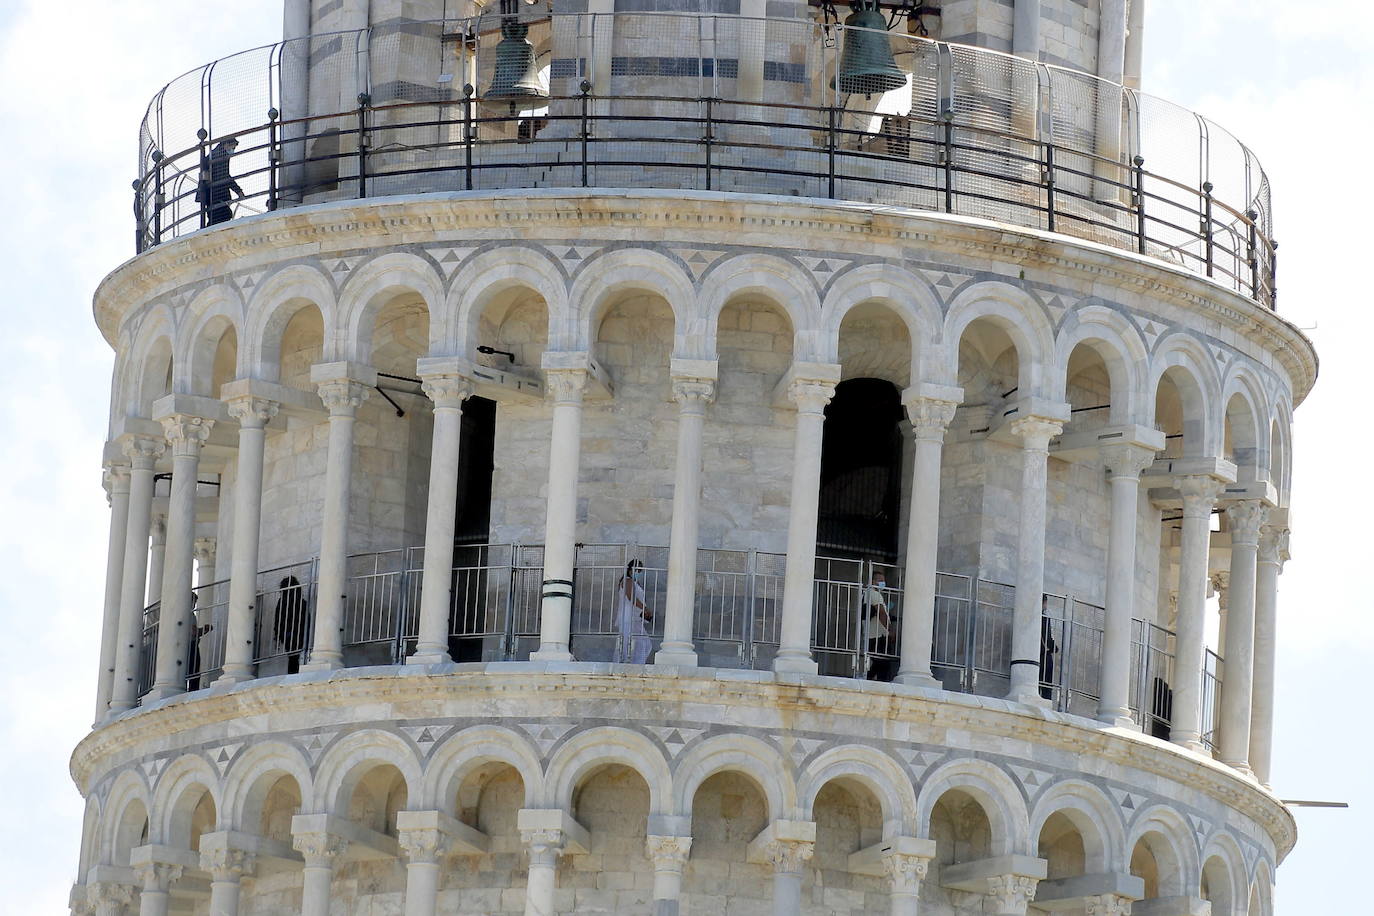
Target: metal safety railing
x=695, y=101
x=619, y=602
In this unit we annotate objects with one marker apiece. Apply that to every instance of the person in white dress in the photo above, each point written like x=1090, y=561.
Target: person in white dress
x=633, y=617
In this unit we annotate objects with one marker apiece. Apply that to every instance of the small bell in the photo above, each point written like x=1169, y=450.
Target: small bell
x=866, y=62
x=516, y=75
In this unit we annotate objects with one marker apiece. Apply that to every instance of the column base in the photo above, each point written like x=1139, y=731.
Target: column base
x=1240, y=766
x=234, y=676
x=1117, y=718
x=162, y=692
x=551, y=653
x=325, y=664
x=1191, y=744
x=675, y=657
x=429, y=658
x=795, y=664
x=1028, y=697
x=917, y=679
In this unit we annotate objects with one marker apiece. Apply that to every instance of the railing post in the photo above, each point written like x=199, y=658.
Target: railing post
x=1138, y=178
x=746, y=638
x=1049, y=186
x=1207, y=222
x=159, y=200
x=363, y=99
x=139, y=222
x=468, y=138
x=970, y=650
x=707, y=137
x=273, y=158
x=205, y=184
x=586, y=88
x=947, y=158
x=1273, y=274
x=1065, y=666
x=833, y=114
x=1252, y=252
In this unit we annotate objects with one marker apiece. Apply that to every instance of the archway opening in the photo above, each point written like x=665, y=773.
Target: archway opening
x=1216, y=887
x=848, y=818
x=131, y=832
x=376, y=797
x=960, y=828
x=729, y=809
x=1061, y=845
x=1154, y=861
x=612, y=803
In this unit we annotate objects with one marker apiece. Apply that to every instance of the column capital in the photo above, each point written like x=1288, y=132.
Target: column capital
x=227, y=863
x=545, y=844
x=251, y=411
x=906, y=870
x=565, y=385
x=788, y=856
x=319, y=847
x=811, y=394
x=109, y=892
x=1011, y=893
x=186, y=433
x=668, y=853
x=143, y=451
x=115, y=478
x=423, y=845
x=1107, y=905
x=158, y=876
x=204, y=550
x=342, y=396
x=1273, y=545
x=929, y=416
x=1221, y=585
x=1036, y=431
x=1199, y=493
x=1127, y=459
x=1246, y=517
x=448, y=390
x=693, y=393
x=157, y=529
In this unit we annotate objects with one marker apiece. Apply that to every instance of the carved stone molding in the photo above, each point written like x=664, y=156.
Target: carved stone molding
x=1246, y=517
x=1036, y=432
x=668, y=853
x=1127, y=460
x=789, y=856
x=342, y=397
x=566, y=385
x=930, y=417
x=143, y=451
x=447, y=391
x=811, y=395
x=186, y=434
x=252, y=412
x=1199, y=494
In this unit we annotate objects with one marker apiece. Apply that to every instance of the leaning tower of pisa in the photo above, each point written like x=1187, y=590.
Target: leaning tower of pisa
x=702, y=457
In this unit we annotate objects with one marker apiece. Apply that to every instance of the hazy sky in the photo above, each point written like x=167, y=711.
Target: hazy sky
x=1294, y=81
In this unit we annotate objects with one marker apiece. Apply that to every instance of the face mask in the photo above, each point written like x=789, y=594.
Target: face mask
x=880, y=585
x=638, y=576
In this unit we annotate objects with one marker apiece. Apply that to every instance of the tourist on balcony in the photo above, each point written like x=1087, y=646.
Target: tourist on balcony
x=216, y=184
x=288, y=625
x=1048, y=648
x=878, y=621
x=632, y=617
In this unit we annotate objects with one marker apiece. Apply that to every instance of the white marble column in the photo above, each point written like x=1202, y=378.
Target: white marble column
x=788, y=858
x=205, y=550
x=1199, y=493
x=1035, y=433
x=227, y=867
x=1124, y=463
x=544, y=846
x=794, y=652
x=117, y=485
x=668, y=855
x=448, y=391
x=320, y=849
x=186, y=435
x=157, y=880
x=157, y=556
x=1245, y=517
x=143, y=452
x=253, y=414
x=1273, y=552
x=693, y=394
x=423, y=848
x=565, y=386
x=905, y=872
x=929, y=416
x=342, y=396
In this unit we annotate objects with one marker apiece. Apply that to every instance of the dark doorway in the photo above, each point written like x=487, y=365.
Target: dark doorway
x=473, y=624
x=861, y=465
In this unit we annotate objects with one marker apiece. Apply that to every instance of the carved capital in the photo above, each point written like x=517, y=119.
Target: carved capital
x=1036, y=432
x=143, y=451
x=115, y=479
x=565, y=386
x=186, y=434
x=930, y=417
x=79, y=901
x=1127, y=460
x=447, y=391
x=1221, y=584
x=1273, y=545
x=342, y=397
x=252, y=412
x=1245, y=518
x=1107, y=905
x=905, y=870
x=158, y=876
x=109, y=894
x=423, y=845
x=811, y=395
x=668, y=853
x=157, y=530
x=789, y=856
x=1011, y=893
x=544, y=845
x=226, y=863
x=204, y=550
x=319, y=847
x=693, y=394
x=1199, y=494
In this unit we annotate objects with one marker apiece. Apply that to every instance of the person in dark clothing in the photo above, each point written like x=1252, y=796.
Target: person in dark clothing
x=288, y=624
x=217, y=187
x=1048, y=648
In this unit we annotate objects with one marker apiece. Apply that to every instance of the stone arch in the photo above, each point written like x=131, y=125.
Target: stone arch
x=125, y=818
x=350, y=759
x=593, y=748
x=472, y=748
x=907, y=295
x=277, y=300
x=367, y=291
x=175, y=798
x=603, y=277
x=252, y=775
x=995, y=793
x=1262, y=890
x=1015, y=312
x=486, y=276
x=745, y=754
x=1170, y=838
x=1243, y=404
x=210, y=314
x=1092, y=813
x=1223, y=872
x=1122, y=350
x=1193, y=372
x=782, y=283
x=875, y=770
x=90, y=837
x=151, y=368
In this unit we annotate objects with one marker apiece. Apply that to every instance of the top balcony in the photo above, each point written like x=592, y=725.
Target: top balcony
x=702, y=102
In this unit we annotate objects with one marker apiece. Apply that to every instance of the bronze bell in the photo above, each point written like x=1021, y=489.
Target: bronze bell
x=516, y=76
x=866, y=62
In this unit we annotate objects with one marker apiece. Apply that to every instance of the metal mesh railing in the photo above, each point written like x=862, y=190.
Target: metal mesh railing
x=698, y=101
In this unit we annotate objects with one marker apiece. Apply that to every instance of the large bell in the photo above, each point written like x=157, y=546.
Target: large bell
x=516, y=77
x=866, y=62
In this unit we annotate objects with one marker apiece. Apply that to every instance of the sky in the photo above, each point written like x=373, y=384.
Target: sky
x=1293, y=81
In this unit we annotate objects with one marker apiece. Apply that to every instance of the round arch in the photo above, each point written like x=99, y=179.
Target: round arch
x=873, y=769
x=471, y=748
x=744, y=754
x=995, y=793
x=597, y=747
x=277, y=300
x=251, y=777
x=350, y=759
x=1122, y=350
x=781, y=283
x=212, y=312
x=1016, y=313
x=1097, y=820
x=603, y=277
x=1184, y=358
x=175, y=798
x=487, y=275
x=1167, y=834
x=906, y=294
x=370, y=287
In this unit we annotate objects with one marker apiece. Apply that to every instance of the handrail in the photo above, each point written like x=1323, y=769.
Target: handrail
x=978, y=133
